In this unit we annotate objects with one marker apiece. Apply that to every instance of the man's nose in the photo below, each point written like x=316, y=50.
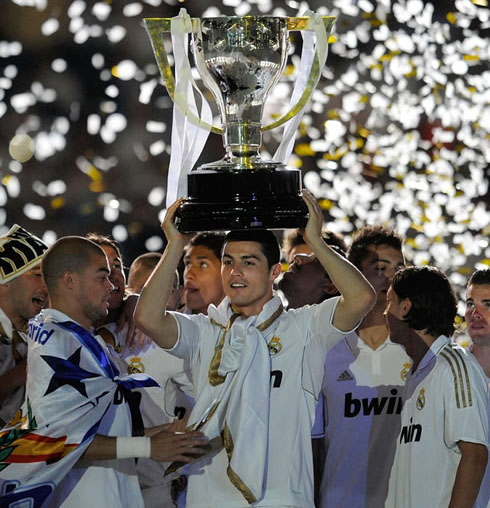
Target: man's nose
x=236, y=270
x=475, y=313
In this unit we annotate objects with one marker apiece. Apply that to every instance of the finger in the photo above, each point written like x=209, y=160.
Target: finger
x=172, y=209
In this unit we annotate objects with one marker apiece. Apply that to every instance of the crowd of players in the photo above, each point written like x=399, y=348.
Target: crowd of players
x=331, y=381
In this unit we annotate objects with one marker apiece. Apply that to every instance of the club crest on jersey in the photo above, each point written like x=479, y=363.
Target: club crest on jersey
x=275, y=346
x=405, y=370
x=136, y=366
x=421, y=400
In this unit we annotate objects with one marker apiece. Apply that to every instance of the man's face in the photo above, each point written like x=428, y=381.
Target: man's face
x=116, y=276
x=303, y=283
x=247, y=279
x=477, y=313
x=27, y=295
x=394, y=313
x=393, y=304
x=379, y=267
x=95, y=289
x=202, y=279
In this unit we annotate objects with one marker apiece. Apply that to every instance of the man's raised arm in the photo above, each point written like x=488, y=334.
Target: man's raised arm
x=150, y=315
x=358, y=296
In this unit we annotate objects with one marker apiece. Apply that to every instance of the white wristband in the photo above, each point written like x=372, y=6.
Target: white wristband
x=130, y=447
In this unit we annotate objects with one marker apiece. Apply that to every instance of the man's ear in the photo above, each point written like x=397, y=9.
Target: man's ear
x=275, y=271
x=329, y=288
x=405, y=306
x=69, y=279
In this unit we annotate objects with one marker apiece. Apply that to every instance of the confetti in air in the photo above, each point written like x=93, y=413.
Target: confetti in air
x=397, y=132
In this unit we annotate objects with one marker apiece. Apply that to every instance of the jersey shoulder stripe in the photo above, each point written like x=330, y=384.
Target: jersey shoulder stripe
x=462, y=386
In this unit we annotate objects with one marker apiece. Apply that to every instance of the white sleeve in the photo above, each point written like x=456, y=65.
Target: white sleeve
x=322, y=335
x=465, y=404
x=189, y=335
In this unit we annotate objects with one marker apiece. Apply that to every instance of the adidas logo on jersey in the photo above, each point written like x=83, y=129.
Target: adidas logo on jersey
x=345, y=376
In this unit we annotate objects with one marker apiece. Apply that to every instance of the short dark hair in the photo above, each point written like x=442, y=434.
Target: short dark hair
x=105, y=240
x=267, y=240
x=72, y=253
x=213, y=241
x=371, y=235
x=480, y=277
x=294, y=238
x=434, y=303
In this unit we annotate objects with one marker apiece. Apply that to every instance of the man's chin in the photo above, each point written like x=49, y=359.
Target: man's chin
x=115, y=303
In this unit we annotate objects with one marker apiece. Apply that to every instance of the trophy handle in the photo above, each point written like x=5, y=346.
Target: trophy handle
x=155, y=27
x=300, y=23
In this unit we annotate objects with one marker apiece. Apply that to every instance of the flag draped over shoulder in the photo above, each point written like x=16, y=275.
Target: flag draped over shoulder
x=71, y=385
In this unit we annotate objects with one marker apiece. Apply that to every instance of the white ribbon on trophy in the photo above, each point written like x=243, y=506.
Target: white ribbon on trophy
x=315, y=35
x=188, y=139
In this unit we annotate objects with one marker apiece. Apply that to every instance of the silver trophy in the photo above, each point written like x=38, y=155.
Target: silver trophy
x=240, y=59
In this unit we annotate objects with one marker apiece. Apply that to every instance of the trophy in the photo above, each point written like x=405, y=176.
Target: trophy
x=240, y=59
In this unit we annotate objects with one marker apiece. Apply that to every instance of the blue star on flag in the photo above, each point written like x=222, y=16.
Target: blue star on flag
x=68, y=372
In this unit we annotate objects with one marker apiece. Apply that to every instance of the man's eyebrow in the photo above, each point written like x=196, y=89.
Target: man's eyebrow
x=103, y=269
x=388, y=261
x=202, y=256
x=250, y=256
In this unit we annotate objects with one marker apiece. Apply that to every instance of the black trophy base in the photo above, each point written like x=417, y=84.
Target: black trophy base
x=237, y=199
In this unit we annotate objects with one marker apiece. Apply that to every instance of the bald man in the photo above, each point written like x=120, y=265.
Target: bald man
x=76, y=399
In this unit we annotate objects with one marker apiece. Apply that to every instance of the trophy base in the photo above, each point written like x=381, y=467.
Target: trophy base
x=235, y=199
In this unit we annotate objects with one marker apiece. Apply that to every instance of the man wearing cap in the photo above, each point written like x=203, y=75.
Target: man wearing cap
x=73, y=442
x=22, y=295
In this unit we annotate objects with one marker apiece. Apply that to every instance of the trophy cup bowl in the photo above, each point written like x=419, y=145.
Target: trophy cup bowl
x=239, y=59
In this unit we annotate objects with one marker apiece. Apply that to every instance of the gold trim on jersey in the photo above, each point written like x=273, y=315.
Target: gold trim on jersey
x=234, y=478
x=462, y=386
x=213, y=376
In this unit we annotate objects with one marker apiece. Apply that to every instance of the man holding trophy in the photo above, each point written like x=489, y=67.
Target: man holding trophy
x=257, y=369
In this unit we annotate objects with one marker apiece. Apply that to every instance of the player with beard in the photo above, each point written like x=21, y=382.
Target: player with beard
x=22, y=295
x=77, y=400
x=363, y=377
x=157, y=405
